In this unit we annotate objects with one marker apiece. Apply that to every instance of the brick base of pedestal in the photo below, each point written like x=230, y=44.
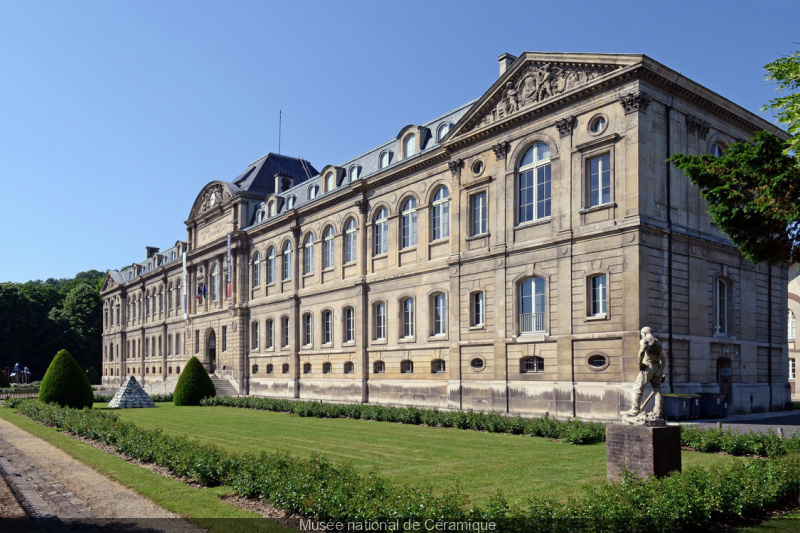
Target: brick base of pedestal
x=642, y=450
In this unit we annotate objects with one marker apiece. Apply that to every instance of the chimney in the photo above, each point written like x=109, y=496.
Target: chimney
x=505, y=62
x=151, y=251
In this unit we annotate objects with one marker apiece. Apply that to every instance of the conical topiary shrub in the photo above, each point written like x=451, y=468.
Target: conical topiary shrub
x=65, y=383
x=193, y=385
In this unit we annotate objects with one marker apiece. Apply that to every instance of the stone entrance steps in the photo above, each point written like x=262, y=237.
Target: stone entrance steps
x=224, y=387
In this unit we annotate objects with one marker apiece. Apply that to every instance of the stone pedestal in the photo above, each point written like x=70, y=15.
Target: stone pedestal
x=642, y=450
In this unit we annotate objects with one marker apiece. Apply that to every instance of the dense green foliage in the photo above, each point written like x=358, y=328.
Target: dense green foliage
x=323, y=490
x=93, y=375
x=65, y=383
x=753, y=195
x=41, y=317
x=714, y=440
x=193, y=385
x=786, y=72
x=571, y=431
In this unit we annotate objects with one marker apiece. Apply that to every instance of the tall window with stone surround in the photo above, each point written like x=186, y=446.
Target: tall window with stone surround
x=533, y=184
x=350, y=234
x=408, y=224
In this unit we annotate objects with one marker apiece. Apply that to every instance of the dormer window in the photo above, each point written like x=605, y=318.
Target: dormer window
x=330, y=182
x=353, y=173
x=271, y=209
x=441, y=131
x=410, y=145
x=290, y=202
x=313, y=191
x=384, y=160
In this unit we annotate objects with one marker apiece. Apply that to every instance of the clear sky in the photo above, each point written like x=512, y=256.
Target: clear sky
x=114, y=115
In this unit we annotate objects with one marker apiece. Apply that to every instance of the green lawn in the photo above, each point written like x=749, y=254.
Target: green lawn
x=481, y=463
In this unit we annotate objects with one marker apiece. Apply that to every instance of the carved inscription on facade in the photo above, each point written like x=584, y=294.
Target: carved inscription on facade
x=215, y=230
x=539, y=82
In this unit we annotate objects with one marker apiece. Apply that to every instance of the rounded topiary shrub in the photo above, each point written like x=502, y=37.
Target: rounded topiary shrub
x=65, y=383
x=193, y=384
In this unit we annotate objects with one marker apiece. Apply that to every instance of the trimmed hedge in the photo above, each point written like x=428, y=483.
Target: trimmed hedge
x=193, y=384
x=65, y=383
x=104, y=398
x=714, y=440
x=571, y=431
x=323, y=490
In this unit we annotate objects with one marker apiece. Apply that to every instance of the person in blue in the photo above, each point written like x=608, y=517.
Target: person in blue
x=651, y=370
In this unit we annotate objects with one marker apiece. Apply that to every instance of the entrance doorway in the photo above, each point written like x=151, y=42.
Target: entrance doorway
x=212, y=352
x=725, y=378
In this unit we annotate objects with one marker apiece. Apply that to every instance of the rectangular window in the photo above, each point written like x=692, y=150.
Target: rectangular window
x=477, y=309
x=269, y=334
x=439, y=315
x=599, y=295
x=224, y=338
x=478, y=213
x=380, y=321
x=307, y=330
x=721, y=319
x=349, y=325
x=196, y=341
x=308, y=257
x=792, y=369
x=327, y=327
x=177, y=344
x=408, y=317
x=600, y=180
x=285, y=332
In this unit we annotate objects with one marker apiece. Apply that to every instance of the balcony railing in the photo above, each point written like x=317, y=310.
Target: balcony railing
x=531, y=322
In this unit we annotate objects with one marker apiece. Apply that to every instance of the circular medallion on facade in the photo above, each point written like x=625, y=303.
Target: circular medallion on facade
x=212, y=199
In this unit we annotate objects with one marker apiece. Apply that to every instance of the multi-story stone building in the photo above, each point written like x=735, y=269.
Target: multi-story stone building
x=501, y=257
x=791, y=328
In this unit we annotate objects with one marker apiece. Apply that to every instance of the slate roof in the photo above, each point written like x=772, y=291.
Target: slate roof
x=259, y=176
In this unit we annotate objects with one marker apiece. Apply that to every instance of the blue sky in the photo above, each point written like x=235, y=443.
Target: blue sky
x=113, y=115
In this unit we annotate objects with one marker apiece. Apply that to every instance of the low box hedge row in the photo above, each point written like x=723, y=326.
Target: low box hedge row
x=323, y=490
x=104, y=398
x=570, y=431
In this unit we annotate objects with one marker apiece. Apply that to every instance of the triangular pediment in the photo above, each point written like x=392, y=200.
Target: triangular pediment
x=537, y=79
x=108, y=283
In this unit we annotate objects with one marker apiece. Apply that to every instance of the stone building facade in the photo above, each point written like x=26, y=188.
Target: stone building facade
x=791, y=328
x=502, y=256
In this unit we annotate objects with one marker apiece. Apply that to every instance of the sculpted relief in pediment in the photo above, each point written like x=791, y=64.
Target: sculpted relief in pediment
x=213, y=196
x=536, y=83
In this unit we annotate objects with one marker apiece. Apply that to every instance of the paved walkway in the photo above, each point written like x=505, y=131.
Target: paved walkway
x=59, y=494
x=789, y=421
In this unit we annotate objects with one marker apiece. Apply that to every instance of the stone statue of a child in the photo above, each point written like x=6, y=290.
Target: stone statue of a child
x=651, y=370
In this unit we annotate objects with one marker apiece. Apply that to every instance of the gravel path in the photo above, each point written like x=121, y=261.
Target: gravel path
x=58, y=493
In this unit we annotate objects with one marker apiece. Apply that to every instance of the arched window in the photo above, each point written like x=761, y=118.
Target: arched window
x=285, y=368
x=792, y=326
x=215, y=283
x=441, y=131
x=290, y=202
x=349, y=367
x=285, y=332
x=439, y=312
x=410, y=145
x=408, y=224
x=384, y=159
x=255, y=369
x=326, y=368
x=531, y=306
x=269, y=369
x=306, y=368
x=287, y=260
x=438, y=366
x=721, y=307
x=178, y=291
x=407, y=366
x=271, y=265
x=350, y=241
x=380, y=320
x=271, y=209
x=717, y=149
x=269, y=332
x=378, y=367
x=381, y=232
x=254, y=335
x=327, y=248
x=170, y=299
x=407, y=307
x=256, y=270
x=533, y=184
x=327, y=327
x=598, y=295
x=313, y=191
x=440, y=223
x=349, y=325
x=178, y=344
x=353, y=174
x=308, y=255
x=530, y=365
x=330, y=182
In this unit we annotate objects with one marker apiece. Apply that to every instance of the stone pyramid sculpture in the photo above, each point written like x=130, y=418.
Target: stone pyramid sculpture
x=130, y=395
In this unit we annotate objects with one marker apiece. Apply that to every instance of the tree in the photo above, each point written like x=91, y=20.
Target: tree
x=786, y=73
x=753, y=195
x=193, y=384
x=80, y=321
x=66, y=384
